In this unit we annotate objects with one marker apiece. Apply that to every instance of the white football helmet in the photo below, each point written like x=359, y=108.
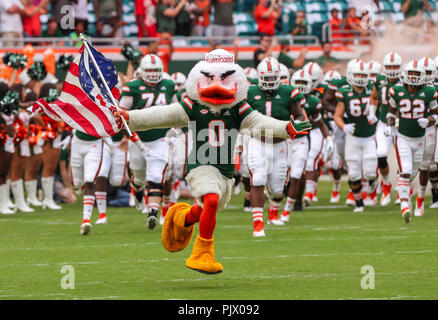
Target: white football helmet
x=315, y=72
x=330, y=75
x=374, y=69
x=179, y=79
x=268, y=73
x=429, y=68
x=392, y=65
x=151, y=68
x=250, y=73
x=302, y=81
x=358, y=74
x=166, y=76
x=413, y=74
x=284, y=74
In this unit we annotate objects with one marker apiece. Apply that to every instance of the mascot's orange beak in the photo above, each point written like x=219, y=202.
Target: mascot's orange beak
x=217, y=94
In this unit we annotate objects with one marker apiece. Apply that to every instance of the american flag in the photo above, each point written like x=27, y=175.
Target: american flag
x=84, y=103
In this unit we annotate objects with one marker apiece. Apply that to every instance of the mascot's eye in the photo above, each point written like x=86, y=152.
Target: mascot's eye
x=208, y=75
x=226, y=74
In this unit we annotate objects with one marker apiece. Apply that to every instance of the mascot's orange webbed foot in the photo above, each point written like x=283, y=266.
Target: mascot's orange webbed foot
x=175, y=235
x=202, y=257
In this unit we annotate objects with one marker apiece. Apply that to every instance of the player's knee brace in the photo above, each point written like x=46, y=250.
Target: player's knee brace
x=156, y=187
x=382, y=162
x=139, y=178
x=355, y=185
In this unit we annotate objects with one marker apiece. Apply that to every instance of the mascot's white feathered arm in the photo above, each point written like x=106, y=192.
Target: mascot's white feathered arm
x=258, y=124
x=172, y=115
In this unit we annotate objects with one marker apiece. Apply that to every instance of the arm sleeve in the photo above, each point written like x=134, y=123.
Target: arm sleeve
x=256, y=123
x=172, y=115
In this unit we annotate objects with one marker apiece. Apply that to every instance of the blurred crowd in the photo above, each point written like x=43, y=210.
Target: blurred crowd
x=21, y=18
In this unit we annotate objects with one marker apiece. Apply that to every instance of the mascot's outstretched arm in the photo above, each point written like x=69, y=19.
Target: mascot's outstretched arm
x=172, y=115
x=257, y=123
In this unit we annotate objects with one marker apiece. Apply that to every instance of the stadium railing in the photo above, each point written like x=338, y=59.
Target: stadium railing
x=68, y=43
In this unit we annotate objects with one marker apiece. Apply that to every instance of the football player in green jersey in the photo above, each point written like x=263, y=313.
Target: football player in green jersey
x=149, y=165
x=416, y=106
x=319, y=132
x=268, y=157
x=215, y=109
x=428, y=167
x=379, y=104
x=329, y=103
x=360, y=146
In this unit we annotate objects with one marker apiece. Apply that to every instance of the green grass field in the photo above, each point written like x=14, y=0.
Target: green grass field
x=318, y=255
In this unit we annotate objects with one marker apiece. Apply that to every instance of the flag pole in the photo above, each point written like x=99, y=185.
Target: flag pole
x=113, y=100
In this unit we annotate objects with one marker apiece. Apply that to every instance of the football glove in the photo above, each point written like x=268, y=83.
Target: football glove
x=423, y=122
x=349, y=128
x=297, y=127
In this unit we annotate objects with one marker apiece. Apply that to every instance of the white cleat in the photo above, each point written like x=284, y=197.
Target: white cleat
x=145, y=210
x=368, y=202
x=385, y=200
x=162, y=220
x=260, y=233
x=276, y=222
x=141, y=206
x=102, y=220
x=23, y=207
x=359, y=209
x=7, y=210
x=238, y=189
x=151, y=222
x=307, y=201
x=315, y=199
x=34, y=202
x=336, y=197
x=86, y=227
x=131, y=200
x=50, y=204
x=407, y=216
x=247, y=209
x=285, y=218
x=434, y=205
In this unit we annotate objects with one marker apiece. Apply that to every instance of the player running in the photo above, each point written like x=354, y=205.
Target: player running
x=149, y=165
x=379, y=104
x=416, y=106
x=360, y=146
x=267, y=156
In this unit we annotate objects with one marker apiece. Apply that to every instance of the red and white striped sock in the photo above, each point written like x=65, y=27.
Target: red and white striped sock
x=101, y=201
x=403, y=187
x=289, y=204
x=88, y=205
x=274, y=207
x=257, y=216
x=310, y=186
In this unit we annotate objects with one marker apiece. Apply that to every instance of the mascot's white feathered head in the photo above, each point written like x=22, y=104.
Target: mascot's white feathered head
x=217, y=82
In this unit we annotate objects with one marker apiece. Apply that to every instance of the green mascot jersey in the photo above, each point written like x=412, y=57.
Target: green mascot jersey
x=145, y=96
x=382, y=86
x=214, y=135
x=356, y=108
x=410, y=108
